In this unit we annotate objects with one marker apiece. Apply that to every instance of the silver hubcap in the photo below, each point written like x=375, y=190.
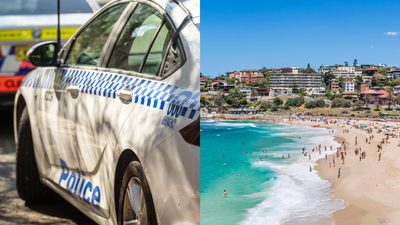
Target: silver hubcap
x=135, y=211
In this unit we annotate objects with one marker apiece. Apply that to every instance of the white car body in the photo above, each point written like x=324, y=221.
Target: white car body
x=79, y=141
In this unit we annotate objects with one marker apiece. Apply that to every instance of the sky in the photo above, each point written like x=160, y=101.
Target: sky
x=237, y=35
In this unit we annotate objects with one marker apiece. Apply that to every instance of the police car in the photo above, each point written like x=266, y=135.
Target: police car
x=25, y=23
x=111, y=122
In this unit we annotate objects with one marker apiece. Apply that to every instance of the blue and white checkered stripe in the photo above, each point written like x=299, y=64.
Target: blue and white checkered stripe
x=146, y=92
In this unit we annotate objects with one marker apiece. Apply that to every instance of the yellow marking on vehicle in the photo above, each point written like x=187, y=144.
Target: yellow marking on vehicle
x=12, y=35
x=20, y=52
x=51, y=33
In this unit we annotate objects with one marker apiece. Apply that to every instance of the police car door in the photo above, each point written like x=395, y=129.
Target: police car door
x=83, y=104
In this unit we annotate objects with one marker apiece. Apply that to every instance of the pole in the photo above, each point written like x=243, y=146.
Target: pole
x=58, y=25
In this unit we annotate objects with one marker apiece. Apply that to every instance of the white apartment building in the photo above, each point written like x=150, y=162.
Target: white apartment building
x=348, y=86
x=358, y=72
x=345, y=71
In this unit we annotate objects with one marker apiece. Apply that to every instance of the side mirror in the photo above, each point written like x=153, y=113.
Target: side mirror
x=44, y=54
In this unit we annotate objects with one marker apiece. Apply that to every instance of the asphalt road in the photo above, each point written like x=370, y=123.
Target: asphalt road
x=13, y=210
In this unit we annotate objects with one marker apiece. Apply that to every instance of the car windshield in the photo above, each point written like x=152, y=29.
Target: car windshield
x=40, y=7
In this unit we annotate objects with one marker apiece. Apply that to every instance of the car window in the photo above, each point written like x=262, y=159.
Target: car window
x=136, y=39
x=155, y=57
x=89, y=43
x=36, y=7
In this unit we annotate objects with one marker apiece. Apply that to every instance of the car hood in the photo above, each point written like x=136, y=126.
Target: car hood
x=43, y=21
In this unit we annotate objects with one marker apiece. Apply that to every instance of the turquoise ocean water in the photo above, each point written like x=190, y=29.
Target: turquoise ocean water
x=272, y=191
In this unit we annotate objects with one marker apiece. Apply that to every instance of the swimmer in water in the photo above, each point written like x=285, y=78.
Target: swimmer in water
x=225, y=194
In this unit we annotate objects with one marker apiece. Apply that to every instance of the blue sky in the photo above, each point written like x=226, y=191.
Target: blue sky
x=238, y=35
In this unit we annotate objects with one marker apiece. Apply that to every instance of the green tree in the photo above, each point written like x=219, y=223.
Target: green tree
x=236, y=103
x=355, y=62
x=396, y=82
x=390, y=98
x=346, y=64
x=326, y=77
x=346, y=104
x=337, y=102
x=219, y=99
x=308, y=65
x=328, y=94
x=203, y=100
x=367, y=98
x=359, y=79
x=278, y=101
x=253, y=93
x=374, y=81
x=231, y=80
x=359, y=104
x=274, y=108
x=377, y=106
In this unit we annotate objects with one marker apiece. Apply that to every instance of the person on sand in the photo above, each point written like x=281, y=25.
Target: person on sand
x=329, y=164
x=309, y=157
x=360, y=157
x=326, y=157
x=366, y=140
x=225, y=194
x=338, y=176
x=379, y=157
x=310, y=168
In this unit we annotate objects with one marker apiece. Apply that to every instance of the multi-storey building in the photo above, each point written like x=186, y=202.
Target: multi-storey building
x=290, y=80
x=262, y=91
x=253, y=72
x=344, y=71
x=358, y=72
x=333, y=85
x=370, y=71
x=348, y=86
x=366, y=79
x=395, y=74
x=251, y=79
x=250, y=73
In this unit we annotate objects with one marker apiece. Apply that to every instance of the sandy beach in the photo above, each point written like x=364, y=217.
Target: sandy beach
x=370, y=187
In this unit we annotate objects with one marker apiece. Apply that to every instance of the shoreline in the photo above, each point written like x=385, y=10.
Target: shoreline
x=370, y=187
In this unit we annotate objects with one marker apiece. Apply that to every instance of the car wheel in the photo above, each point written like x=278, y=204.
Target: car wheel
x=29, y=186
x=135, y=201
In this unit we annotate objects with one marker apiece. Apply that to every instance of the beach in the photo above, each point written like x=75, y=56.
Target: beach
x=370, y=188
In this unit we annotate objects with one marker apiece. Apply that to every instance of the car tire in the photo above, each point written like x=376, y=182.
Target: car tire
x=134, y=184
x=29, y=186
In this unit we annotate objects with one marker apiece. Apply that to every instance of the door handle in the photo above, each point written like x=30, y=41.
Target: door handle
x=124, y=94
x=73, y=89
